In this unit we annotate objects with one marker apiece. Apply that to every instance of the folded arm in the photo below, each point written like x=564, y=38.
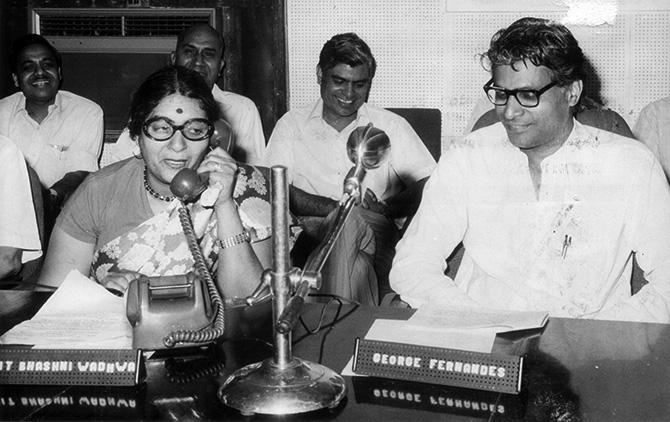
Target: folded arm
x=303, y=203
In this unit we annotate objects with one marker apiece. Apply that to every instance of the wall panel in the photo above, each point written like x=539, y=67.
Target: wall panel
x=427, y=50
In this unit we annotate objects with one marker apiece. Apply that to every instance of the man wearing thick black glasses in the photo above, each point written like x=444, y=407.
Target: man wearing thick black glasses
x=550, y=211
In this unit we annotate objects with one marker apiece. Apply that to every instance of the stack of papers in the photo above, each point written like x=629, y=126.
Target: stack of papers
x=81, y=314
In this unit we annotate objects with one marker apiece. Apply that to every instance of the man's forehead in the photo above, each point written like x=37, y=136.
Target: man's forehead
x=201, y=38
x=33, y=51
x=522, y=75
x=353, y=74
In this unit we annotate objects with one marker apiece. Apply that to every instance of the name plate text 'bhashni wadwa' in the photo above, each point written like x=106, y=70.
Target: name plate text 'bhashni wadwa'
x=69, y=366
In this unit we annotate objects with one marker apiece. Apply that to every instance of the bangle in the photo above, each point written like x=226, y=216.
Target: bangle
x=238, y=239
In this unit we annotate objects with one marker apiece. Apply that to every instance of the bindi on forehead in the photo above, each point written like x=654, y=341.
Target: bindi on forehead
x=179, y=111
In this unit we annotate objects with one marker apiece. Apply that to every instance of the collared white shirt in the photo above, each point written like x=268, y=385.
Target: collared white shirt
x=566, y=251
x=316, y=155
x=239, y=111
x=653, y=129
x=68, y=139
x=18, y=225
x=243, y=117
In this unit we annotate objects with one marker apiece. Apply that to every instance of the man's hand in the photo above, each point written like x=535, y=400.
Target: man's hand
x=370, y=202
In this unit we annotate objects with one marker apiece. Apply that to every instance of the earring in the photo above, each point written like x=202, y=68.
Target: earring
x=137, y=151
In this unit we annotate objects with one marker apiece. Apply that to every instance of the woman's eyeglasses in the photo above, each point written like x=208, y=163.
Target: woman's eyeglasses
x=162, y=129
x=526, y=97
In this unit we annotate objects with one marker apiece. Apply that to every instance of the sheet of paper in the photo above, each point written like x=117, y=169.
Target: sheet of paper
x=476, y=340
x=435, y=316
x=81, y=314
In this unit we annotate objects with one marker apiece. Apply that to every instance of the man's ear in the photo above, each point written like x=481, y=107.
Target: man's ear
x=173, y=58
x=15, y=78
x=574, y=92
x=319, y=74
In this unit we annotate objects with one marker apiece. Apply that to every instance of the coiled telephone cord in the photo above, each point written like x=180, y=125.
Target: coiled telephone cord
x=206, y=334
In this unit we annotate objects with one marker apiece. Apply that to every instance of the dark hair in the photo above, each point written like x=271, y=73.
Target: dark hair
x=541, y=42
x=25, y=41
x=167, y=81
x=201, y=26
x=346, y=48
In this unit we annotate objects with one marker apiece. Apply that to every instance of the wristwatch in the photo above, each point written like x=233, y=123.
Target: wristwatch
x=237, y=239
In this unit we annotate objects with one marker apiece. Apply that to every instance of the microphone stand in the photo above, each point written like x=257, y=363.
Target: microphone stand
x=283, y=384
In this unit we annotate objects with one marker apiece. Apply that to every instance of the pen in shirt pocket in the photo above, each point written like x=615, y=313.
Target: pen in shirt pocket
x=567, y=241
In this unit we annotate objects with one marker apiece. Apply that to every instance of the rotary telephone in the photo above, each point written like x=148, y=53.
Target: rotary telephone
x=180, y=310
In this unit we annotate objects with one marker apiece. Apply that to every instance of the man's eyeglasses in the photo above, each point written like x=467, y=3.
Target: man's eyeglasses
x=526, y=97
x=161, y=129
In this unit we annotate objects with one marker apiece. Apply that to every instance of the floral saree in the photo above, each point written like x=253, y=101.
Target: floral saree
x=157, y=246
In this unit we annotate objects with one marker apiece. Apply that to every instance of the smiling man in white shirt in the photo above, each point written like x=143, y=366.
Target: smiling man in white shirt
x=58, y=132
x=549, y=211
x=311, y=142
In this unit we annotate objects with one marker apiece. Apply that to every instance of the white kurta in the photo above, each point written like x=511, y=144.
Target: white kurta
x=567, y=252
x=18, y=226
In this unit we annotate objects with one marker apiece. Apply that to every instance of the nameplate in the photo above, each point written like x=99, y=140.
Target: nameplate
x=437, y=398
x=72, y=403
x=105, y=367
x=435, y=365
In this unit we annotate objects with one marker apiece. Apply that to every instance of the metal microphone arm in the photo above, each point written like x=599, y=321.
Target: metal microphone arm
x=289, y=317
x=367, y=147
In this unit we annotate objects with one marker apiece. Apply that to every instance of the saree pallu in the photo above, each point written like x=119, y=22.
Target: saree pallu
x=157, y=246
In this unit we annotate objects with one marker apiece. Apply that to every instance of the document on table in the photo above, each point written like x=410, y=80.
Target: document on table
x=435, y=316
x=81, y=314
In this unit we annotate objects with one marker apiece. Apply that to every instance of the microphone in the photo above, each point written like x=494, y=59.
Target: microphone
x=367, y=147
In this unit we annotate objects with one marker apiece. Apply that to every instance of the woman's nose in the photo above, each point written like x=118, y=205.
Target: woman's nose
x=177, y=142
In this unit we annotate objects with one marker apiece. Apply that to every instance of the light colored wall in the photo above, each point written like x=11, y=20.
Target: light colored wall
x=427, y=50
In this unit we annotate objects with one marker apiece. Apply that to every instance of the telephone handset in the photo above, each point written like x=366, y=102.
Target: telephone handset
x=188, y=184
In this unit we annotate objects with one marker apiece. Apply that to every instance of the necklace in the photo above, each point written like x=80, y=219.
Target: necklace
x=152, y=192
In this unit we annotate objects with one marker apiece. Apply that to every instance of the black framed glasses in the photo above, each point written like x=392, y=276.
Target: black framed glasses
x=526, y=97
x=161, y=129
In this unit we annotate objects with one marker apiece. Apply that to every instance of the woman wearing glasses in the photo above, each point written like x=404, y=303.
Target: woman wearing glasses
x=124, y=220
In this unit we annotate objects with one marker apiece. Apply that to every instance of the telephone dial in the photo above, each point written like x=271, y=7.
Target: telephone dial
x=180, y=310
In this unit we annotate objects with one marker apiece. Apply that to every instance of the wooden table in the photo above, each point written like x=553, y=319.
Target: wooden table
x=575, y=370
